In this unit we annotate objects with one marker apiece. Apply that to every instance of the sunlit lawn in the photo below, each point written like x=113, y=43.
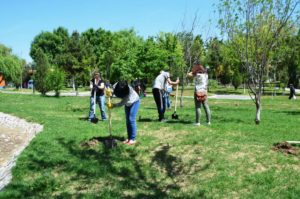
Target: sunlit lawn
x=232, y=158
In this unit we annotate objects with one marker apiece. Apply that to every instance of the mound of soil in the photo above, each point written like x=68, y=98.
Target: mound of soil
x=90, y=143
x=285, y=148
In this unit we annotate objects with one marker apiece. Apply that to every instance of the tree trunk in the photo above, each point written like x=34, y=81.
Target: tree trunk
x=182, y=89
x=258, y=108
x=75, y=88
x=73, y=83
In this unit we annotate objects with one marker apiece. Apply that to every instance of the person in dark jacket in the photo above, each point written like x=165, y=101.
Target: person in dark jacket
x=97, y=86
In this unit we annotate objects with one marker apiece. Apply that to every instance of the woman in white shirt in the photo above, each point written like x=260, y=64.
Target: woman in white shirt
x=200, y=94
x=131, y=102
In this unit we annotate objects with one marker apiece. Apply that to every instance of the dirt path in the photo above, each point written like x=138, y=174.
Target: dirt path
x=15, y=135
x=10, y=141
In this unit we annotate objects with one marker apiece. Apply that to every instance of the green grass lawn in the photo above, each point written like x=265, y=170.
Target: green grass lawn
x=232, y=158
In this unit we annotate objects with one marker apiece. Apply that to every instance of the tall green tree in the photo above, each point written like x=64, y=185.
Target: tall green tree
x=175, y=57
x=11, y=66
x=55, y=80
x=72, y=60
x=126, y=45
x=214, y=57
x=100, y=51
x=42, y=69
x=151, y=59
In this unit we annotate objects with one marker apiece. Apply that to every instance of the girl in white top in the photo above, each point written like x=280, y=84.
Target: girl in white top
x=131, y=102
x=201, y=83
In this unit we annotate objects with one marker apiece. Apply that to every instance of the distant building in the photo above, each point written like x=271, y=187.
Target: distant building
x=2, y=82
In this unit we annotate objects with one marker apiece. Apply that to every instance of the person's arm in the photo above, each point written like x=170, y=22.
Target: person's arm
x=121, y=103
x=190, y=74
x=91, y=85
x=171, y=82
x=101, y=86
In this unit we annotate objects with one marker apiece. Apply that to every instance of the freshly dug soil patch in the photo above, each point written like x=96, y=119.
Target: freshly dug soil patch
x=90, y=143
x=285, y=148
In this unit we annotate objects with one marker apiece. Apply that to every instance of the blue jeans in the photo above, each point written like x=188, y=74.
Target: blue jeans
x=130, y=112
x=167, y=100
x=101, y=101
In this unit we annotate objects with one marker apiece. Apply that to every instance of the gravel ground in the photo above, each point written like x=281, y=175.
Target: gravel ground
x=15, y=135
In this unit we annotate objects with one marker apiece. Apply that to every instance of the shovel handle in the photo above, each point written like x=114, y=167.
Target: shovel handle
x=95, y=100
x=176, y=97
x=109, y=118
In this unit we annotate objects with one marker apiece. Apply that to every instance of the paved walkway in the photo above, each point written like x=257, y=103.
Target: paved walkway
x=15, y=135
x=87, y=93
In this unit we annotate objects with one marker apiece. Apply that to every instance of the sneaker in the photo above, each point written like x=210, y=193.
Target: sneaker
x=125, y=141
x=163, y=120
x=197, y=124
x=131, y=142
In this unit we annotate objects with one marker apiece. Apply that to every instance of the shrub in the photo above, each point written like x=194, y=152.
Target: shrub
x=55, y=80
x=213, y=84
x=237, y=80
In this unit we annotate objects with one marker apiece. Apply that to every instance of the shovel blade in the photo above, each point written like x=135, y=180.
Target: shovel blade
x=174, y=116
x=110, y=143
x=94, y=120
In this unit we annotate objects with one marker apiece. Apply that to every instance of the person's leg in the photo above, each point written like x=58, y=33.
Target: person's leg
x=132, y=120
x=164, y=105
x=197, y=110
x=91, y=114
x=207, y=111
x=168, y=101
x=159, y=102
x=165, y=100
x=127, y=114
x=102, y=107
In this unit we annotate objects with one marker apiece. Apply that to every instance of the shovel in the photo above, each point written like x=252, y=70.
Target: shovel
x=174, y=115
x=110, y=142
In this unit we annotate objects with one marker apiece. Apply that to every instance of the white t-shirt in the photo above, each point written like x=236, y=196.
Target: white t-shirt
x=160, y=80
x=129, y=99
x=201, y=81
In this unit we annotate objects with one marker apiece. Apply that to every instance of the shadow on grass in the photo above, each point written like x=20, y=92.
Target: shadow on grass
x=230, y=120
x=150, y=108
x=290, y=112
x=94, y=120
x=147, y=120
x=171, y=121
x=179, y=121
x=92, y=168
x=122, y=170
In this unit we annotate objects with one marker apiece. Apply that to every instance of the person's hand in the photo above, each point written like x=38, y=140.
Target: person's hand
x=177, y=81
x=108, y=92
x=109, y=105
x=95, y=87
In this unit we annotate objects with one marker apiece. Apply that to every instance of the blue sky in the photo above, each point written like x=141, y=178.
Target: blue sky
x=22, y=20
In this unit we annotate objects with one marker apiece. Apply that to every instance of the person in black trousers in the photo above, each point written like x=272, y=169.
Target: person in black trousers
x=292, y=92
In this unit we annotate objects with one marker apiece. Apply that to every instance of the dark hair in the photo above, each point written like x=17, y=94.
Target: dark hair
x=122, y=89
x=198, y=68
